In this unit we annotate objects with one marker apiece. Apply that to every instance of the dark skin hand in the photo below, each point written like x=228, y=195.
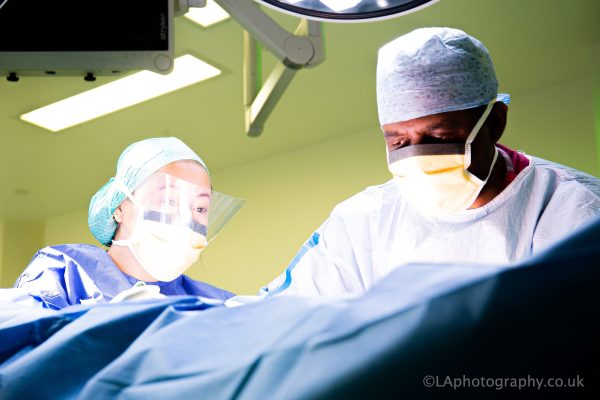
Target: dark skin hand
x=455, y=127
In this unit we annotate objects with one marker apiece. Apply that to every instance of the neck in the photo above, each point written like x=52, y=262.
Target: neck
x=127, y=263
x=493, y=187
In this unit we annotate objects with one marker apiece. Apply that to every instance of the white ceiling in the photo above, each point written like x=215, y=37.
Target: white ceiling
x=534, y=43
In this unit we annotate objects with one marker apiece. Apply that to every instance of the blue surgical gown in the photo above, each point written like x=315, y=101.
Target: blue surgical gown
x=69, y=274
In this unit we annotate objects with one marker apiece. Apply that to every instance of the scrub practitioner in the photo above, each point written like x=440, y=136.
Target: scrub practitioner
x=156, y=215
x=457, y=195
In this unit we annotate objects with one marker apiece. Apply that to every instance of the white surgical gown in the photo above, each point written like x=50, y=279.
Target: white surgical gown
x=376, y=231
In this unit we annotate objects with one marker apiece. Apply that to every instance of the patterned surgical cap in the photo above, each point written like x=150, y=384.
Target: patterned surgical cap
x=433, y=70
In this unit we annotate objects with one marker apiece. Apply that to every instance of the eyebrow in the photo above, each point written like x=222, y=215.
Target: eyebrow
x=444, y=125
x=439, y=125
x=170, y=187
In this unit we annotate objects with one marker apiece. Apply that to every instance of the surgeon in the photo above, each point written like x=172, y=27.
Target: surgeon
x=156, y=215
x=457, y=195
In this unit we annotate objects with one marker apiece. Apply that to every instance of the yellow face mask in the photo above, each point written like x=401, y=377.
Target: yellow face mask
x=434, y=177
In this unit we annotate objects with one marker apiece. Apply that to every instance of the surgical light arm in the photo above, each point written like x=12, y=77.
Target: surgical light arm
x=303, y=48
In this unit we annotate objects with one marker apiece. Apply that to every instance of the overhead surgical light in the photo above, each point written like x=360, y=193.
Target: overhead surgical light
x=347, y=10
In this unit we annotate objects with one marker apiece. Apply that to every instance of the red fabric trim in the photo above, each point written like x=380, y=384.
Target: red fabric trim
x=519, y=162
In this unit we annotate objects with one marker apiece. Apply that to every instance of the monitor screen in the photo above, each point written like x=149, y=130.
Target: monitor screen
x=107, y=36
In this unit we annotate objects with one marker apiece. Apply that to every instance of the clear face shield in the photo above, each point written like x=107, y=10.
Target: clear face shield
x=175, y=220
x=178, y=203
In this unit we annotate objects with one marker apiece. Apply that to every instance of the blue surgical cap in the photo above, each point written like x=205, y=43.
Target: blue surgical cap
x=135, y=165
x=433, y=70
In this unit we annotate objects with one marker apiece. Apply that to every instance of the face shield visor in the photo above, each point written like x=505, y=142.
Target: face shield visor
x=175, y=220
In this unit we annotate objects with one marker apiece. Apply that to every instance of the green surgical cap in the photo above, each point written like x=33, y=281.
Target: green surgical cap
x=135, y=165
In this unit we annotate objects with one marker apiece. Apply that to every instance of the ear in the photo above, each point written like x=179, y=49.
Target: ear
x=118, y=214
x=497, y=121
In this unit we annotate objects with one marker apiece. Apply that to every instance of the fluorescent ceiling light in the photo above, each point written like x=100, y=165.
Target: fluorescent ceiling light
x=207, y=15
x=119, y=94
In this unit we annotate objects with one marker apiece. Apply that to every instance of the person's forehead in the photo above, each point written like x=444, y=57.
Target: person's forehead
x=187, y=170
x=161, y=186
x=449, y=120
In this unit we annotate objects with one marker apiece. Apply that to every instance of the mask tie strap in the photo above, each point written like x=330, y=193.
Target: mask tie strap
x=493, y=163
x=475, y=131
x=125, y=190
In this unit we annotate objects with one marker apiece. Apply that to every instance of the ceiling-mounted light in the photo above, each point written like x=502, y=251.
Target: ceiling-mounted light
x=347, y=10
x=119, y=94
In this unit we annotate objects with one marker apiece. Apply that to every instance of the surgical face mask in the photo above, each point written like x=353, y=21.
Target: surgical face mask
x=434, y=178
x=171, y=226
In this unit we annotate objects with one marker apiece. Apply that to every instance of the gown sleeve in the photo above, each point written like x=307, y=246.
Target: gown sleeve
x=57, y=281
x=325, y=265
x=572, y=206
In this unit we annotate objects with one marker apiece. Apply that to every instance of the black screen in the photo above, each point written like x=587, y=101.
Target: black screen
x=84, y=25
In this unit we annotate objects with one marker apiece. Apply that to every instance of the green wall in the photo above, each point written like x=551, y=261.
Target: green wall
x=1, y=251
x=68, y=228
x=287, y=198
x=20, y=241
x=595, y=62
x=556, y=123
x=290, y=195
